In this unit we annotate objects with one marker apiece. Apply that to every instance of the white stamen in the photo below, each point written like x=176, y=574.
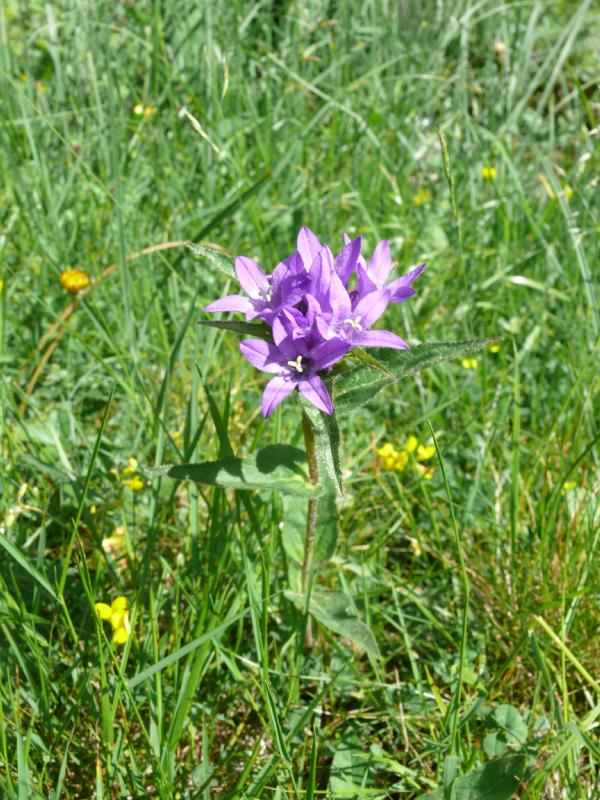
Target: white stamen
x=354, y=323
x=297, y=364
x=268, y=294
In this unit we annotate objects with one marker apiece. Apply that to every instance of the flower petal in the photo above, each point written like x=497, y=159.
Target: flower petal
x=347, y=260
x=232, y=302
x=261, y=354
x=103, y=610
x=316, y=392
x=371, y=307
x=251, y=277
x=378, y=339
x=380, y=263
x=276, y=390
x=308, y=246
x=327, y=353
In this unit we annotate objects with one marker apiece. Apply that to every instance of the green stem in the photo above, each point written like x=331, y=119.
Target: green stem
x=311, y=521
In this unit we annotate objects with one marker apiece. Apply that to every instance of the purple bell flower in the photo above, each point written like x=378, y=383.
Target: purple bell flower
x=295, y=365
x=267, y=294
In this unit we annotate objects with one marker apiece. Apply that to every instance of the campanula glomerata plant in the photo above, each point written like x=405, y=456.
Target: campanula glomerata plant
x=311, y=326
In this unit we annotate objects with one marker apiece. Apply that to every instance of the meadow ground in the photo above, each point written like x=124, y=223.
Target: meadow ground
x=326, y=115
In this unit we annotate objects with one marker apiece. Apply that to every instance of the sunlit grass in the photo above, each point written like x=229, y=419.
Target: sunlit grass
x=330, y=123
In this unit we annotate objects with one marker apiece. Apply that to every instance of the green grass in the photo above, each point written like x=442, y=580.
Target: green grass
x=327, y=119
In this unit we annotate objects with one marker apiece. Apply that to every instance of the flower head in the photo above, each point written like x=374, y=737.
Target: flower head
x=74, y=280
x=488, y=173
x=117, y=613
x=318, y=306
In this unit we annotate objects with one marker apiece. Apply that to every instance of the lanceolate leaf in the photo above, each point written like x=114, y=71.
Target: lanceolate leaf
x=214, y=257
x=278, y=467
x=353, y=387
x=335, y=611
x=258, y=331
x=327, y=442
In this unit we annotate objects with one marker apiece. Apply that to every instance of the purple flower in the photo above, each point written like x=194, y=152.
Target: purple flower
x=267, y=294
x=317, y=312
x=373, y=275
x=351, y=321
x=295, y=365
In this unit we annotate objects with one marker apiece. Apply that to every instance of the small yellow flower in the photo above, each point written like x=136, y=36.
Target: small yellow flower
x=138, y=109
x=118, y=615
x=401, y=461
x=489, y=173
x=74, y=280
x=93, y=509
x=131, y=467
x=149, y=112
x=567, y=486
x=494, y=348
x=411, y=444
x=1, y=285
x=421, y=197
x=469, y=363
x=120, y=636
x=136, y=484
x=385, y=450
x=103, y=611
x=425, y=452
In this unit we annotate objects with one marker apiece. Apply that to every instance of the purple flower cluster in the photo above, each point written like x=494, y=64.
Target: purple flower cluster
x=314, y=314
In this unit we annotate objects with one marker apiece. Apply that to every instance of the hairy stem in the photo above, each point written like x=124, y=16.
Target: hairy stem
x=311, y=521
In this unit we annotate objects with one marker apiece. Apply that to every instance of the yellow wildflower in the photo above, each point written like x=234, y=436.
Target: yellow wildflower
x=136, y=484
x=469, y=363
x=103, y=611
x=489, y=173
x=568, y=191
x=567, y=486
x=386, y=450
x=131, y=467
x=118, y=615
x=411, y=444
x=74, y=280
x=494, y=348
x=1, y=285
x=421, y=197
x=149, y=112
x=425, y=452
x=400, y=461
x=138, y=109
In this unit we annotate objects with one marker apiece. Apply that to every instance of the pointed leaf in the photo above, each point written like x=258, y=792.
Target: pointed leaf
x=277, y=467
x=353, y=387
x=256, y=330
x=214, y=257
x=335, y=611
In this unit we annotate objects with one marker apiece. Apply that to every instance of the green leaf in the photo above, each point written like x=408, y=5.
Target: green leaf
x=327, y=443
x=277, y=467
x=353, y=387
x=18, y=556
x=512, y=722
x=326, y=434
x=214, y=257
x=336, y=611
x=258, y=331
x=327, y=532
x=496, y=780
